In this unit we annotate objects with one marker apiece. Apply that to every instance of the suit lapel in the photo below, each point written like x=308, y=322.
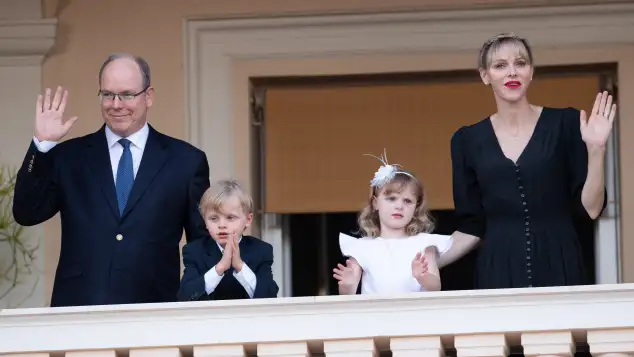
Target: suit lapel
x=99, y=163
x=153, y=159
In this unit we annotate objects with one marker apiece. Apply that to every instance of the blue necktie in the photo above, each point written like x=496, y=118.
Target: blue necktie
x=125, y=175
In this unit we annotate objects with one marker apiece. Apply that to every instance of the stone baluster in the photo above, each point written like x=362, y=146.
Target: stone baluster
x=611, y=342
x=92, y=353
x=220, y=351
x=156, y=352
x=548, y=344
x=284, y=349
x=481, y=345
x=350, y=348
x=420, y=346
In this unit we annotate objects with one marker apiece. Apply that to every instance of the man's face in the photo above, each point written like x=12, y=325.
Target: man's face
x=124, y=103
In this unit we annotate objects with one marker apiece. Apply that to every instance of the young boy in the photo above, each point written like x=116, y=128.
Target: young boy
x=227, y=265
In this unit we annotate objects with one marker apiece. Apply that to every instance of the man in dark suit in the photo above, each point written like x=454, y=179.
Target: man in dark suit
x=124, y=193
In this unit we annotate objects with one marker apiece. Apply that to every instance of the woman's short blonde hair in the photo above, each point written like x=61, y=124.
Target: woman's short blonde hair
x=493, y=44
x=369, y=224
x=220, y=192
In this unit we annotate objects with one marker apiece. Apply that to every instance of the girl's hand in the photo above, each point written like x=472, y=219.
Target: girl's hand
x=419, y=266
x=425, y=271
x=348, y=276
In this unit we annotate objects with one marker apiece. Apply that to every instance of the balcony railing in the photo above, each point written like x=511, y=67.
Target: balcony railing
x=543, y=321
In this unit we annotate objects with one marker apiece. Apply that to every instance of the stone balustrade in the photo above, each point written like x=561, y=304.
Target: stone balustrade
x=485, y=323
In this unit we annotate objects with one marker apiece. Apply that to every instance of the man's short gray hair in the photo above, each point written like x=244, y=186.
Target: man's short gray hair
x=142, y=63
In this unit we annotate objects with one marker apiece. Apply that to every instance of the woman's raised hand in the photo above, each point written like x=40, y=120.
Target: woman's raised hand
x=596, y=130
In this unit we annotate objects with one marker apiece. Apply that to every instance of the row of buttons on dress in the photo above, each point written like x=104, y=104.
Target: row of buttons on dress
x=527, y=218
x=31, y=162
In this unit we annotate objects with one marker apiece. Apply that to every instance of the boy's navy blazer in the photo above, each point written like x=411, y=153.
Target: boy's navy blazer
x=201, y=255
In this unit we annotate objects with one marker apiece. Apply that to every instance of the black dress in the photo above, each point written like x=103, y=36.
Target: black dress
x=523, y=212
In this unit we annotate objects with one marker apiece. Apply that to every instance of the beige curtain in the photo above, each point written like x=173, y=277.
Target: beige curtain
x=316, y=136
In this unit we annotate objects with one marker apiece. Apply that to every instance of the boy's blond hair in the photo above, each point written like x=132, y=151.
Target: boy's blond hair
x=218, y=194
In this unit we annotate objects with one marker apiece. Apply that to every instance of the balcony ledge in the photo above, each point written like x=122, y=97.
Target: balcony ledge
x=248, y=322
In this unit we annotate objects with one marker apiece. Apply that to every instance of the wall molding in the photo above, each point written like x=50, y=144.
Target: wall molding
x=213, y=46
x=20, y=39
x=25, y=39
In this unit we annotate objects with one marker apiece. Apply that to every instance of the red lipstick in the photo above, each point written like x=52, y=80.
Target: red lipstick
x=513, y=84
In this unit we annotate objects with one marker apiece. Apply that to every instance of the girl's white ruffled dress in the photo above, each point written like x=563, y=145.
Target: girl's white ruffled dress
x=387, y=263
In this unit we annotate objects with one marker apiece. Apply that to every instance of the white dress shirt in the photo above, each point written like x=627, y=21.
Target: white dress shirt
x=245, y=277
x=138, y=140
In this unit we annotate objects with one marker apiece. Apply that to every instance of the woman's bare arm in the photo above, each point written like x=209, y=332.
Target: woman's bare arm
x=462, y=244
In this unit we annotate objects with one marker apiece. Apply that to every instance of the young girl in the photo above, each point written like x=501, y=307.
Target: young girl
x=397, y=253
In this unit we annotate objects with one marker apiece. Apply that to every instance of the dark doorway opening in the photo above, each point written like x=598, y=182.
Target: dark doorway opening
x=315, y=251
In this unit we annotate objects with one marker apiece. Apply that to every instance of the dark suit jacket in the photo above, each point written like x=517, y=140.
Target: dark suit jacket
x=106, y=258
x=203, y=254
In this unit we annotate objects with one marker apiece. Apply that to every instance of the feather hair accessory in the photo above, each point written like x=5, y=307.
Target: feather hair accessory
x=386, y=172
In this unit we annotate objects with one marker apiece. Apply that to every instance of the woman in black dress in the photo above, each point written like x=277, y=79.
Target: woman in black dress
x=522, y=175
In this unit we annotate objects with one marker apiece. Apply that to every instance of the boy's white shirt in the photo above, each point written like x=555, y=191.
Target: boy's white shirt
x=245, y=277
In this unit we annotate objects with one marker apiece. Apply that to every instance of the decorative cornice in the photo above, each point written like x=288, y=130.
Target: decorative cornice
x=27, y=38
x=420, y=17
x=551, y=26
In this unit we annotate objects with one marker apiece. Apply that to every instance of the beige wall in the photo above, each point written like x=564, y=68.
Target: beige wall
x=90, y=30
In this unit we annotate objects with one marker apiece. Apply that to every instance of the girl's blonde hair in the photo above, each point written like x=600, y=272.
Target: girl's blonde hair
x=220, y=192
x=493, y=44
x=369, y=224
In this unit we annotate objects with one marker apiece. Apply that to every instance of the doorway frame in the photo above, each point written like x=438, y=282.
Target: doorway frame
x=223, y=55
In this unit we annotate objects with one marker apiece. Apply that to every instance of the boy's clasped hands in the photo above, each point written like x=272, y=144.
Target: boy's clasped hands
x=230, y=256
